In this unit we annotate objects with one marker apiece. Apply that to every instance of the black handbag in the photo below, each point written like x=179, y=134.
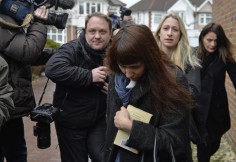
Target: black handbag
x=155, y=156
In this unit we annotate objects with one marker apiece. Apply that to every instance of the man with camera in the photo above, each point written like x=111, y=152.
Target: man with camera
x=80, y=77
x=20, y=47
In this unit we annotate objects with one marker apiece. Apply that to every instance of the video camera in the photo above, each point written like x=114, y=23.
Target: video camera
x=57, y=19
x=118, y=20
x=18, y=9
x=43, y=115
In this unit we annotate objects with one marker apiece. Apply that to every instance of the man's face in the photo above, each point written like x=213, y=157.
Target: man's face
x=97, y=33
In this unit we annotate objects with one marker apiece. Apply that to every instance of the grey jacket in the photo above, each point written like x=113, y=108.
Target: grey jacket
x=6, y=91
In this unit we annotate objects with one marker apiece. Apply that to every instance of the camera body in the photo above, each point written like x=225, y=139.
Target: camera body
x=18, y=9
x=43, y=115
x=124, y=12
x=56, y=19
x=117, y=21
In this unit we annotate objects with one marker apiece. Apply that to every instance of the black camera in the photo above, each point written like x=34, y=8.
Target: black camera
x=56, y=19
x=43, y=115
x=64, y=4
x=124, y=12
x=117, y=21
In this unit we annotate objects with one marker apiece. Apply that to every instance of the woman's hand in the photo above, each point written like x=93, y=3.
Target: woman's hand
x=122, y=120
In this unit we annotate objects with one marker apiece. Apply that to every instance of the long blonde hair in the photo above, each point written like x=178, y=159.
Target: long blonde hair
x=183, y=56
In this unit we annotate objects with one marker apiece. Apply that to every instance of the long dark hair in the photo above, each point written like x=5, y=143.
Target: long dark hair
x=136, y=43
x=225, y=48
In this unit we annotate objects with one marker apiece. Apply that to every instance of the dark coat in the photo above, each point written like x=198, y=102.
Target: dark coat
x=20, y=50
x=80, y=101
x=212, y=113
x=6, y=91
x=173, y=128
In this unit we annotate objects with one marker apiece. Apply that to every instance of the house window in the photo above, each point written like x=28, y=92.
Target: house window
x=157, y=18
x=98, y=7
x=88, y=8
x=57, y=35
x=93, y=7
x=81, y=9
x=205, y=18
x=139, y=18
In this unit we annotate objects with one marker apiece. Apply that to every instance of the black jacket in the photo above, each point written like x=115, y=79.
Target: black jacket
x=212, y=112
x=20, y=50
x=173, y=128
x=81, y=102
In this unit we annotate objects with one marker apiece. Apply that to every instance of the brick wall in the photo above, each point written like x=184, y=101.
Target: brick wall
x=224, y=13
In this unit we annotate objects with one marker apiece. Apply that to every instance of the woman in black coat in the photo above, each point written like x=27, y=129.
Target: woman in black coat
x=144, y=77
x=212, y=114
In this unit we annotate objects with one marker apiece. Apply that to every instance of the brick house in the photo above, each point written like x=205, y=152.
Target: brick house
x=224, y=13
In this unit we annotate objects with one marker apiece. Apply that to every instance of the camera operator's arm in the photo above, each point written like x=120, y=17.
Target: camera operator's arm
x=45, y=56
x=6, y=102
x=27, y=47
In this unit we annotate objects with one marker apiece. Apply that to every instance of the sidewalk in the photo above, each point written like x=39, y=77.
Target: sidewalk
x=51, y=154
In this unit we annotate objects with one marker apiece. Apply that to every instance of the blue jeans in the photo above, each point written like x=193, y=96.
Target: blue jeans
x=77, y=144
x=12, y=141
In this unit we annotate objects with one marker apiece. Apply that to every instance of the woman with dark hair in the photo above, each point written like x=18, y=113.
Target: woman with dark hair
x=143, y=76
x=218, y=56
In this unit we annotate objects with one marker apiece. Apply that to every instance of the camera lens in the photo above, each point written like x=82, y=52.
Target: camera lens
x=44, y=135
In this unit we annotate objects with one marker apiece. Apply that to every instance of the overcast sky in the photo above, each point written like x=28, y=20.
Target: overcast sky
x=129, y=2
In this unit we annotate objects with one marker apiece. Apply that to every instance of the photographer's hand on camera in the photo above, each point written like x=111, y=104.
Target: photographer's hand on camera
x=41, y=14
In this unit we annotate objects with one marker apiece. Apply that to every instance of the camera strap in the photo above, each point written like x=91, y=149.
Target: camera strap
x=40, y=100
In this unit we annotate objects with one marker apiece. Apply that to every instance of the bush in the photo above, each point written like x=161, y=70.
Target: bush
x=37, y=70
x=51, y=44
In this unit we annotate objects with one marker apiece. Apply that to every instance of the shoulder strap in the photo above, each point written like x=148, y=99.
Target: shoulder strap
x=40, y=100
x=26, y=21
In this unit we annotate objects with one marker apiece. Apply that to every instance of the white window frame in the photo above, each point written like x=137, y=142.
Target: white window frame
x=55, y=34
x=157, y=18
x=91, y=7
x=204, y=18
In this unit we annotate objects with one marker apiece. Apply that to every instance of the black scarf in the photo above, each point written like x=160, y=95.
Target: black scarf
x=207, y=61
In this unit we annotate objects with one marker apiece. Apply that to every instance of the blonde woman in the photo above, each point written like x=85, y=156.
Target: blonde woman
x=171, y=37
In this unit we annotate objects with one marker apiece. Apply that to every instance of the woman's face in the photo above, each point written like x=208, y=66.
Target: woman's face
x=133, y=71
x=210, y=42
x=170, y=33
